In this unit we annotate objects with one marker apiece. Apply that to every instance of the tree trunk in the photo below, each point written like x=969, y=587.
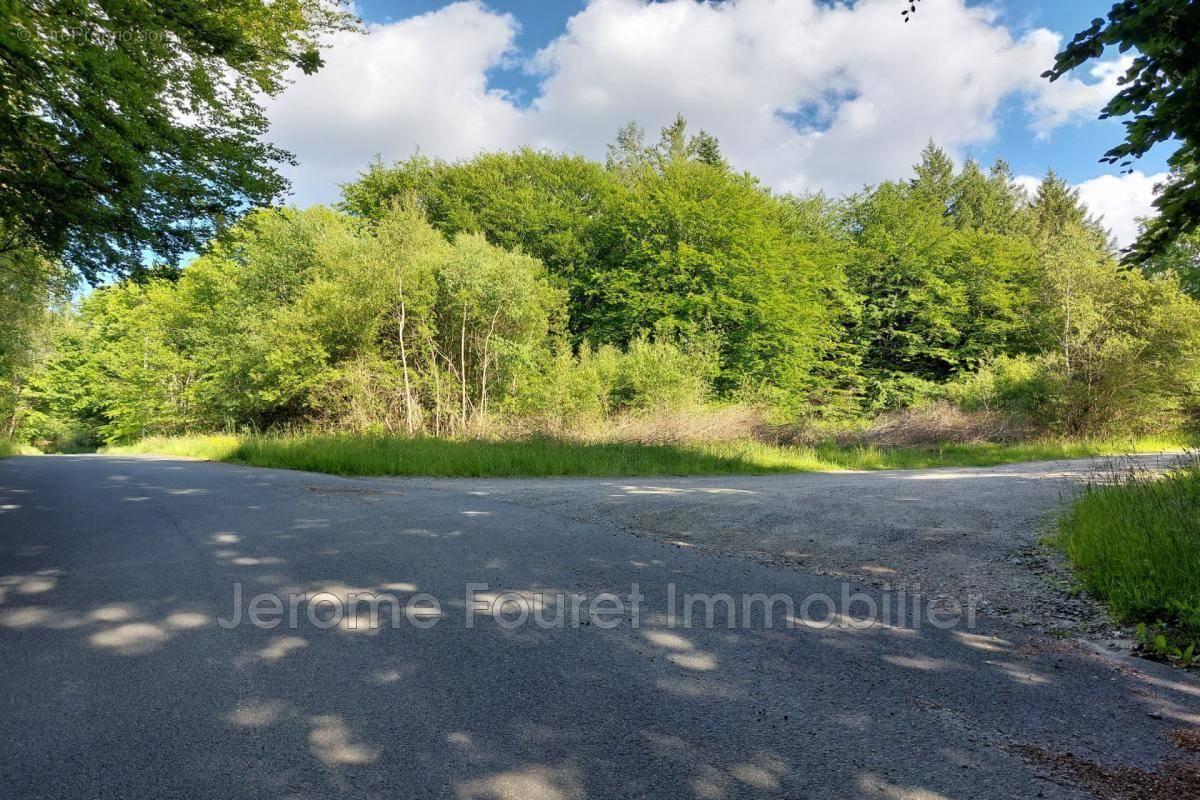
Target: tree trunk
x=408, y=411
x=462, y=374
x=483, y=379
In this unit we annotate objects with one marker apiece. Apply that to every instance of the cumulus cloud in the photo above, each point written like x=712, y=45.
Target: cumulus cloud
x=1029, y=183
x=1072, y=100
x=1121, y=200
x=806, y=95
x=1117, y=200
x=417, y=83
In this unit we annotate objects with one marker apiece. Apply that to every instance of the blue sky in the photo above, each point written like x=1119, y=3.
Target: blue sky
x=1073, y=151
x=808, y=94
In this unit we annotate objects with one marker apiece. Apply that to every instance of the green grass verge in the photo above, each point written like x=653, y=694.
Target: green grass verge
x=8, y=448
x=343, y=454
x=386, y=455
x=990, y=455
x=1136, y=545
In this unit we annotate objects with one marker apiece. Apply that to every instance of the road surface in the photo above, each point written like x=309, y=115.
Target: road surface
x=127, y=673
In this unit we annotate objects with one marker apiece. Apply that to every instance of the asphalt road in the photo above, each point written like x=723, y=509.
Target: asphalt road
x=119, y=681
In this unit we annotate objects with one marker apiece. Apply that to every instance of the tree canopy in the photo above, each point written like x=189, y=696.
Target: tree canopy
x=548, y=292
x=1158, y=101
x=131, y=130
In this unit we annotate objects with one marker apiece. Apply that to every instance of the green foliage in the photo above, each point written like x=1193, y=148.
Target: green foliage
x=693, y=247
x=368, y=454
x=1157, y=102
x=649, y=375
x=533, y=291
x=129, y=128
x=538, y=202
x=658, y=374
x=933, y=184
x=815, y=307
x=566, y=389
x=1019, y=383
x=1121, y=349
x=1154, y=642
x=991, y=203
x=30, y=288
x=666, y=235
x=8, y=448
x=1056, y=207
x=1115, y=351
x=901, y=266
x=1181, y=258
x=1136, y=543
x=374, y=454
x=296, y=316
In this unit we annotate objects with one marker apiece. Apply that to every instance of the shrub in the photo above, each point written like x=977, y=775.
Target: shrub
x=566, y=390
x=659, y=374
x=364, y=395
x=701, y=425
x=55, y=434
x=937, y=424
x=1017, y=384
x=1121, y=350
x=561, y=391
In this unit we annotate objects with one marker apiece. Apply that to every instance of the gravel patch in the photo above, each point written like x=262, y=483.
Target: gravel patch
x=956, y=532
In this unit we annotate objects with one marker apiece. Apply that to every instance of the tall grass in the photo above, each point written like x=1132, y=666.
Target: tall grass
x=348, y=454
x=8, y=448
x=987, y=454
x=211, y=447
x=1136, y=544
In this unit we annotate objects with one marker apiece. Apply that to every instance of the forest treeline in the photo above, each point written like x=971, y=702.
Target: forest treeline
x=539, y=292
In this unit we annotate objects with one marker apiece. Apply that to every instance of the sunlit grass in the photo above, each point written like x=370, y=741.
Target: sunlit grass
x=211, y=447
x=8, y=448
x=346, y=454
x=1136, y=545
x=988, y=455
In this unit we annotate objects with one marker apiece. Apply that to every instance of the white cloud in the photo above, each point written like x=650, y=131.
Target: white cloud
x=418, y=83
x=803, y=94
x=1029, y=183
x=881, y=88
x=1120, y=200
x=1071, y=100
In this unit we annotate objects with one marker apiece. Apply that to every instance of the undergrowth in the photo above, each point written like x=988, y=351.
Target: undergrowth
x=1135, y=542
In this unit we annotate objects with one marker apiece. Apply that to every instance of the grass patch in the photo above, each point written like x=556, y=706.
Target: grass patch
x=8, y=448
x=989, y=455
x=211, y=447
x=1136, y=545
x=345, y=454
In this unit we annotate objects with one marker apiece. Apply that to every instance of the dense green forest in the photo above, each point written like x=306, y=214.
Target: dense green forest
x=537, y=292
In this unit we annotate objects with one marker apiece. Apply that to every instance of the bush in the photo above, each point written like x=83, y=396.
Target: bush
x=1015, y=384
x=699, y=425
x=363, y=395
x=937, y=424
x=1121, y=351
x=569, y=391
x=890, y=391
x=660, y=374
x=561, y=391
x=52, y=434
x=1132, y=389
